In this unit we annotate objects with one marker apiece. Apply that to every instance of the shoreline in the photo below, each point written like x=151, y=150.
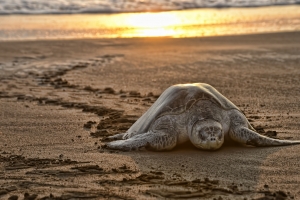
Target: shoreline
x=65, y=97
x=158, y=37
x=224, y=38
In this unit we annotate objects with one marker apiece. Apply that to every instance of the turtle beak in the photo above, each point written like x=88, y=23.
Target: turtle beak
x=215, y=144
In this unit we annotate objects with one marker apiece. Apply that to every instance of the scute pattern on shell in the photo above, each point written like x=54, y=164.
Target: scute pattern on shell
x=183, y=97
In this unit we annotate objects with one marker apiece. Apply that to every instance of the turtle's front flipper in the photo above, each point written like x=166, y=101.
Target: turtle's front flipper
x=158, y=141
x=246, y=136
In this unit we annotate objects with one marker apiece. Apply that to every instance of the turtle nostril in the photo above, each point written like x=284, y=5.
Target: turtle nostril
x=212, y=139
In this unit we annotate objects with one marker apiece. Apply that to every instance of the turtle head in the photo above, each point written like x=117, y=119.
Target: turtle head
x=207, y=134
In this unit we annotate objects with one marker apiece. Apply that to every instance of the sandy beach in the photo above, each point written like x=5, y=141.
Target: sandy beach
x=60, y=99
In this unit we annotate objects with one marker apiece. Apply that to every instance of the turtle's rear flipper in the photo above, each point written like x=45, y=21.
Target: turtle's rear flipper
x=246, y=136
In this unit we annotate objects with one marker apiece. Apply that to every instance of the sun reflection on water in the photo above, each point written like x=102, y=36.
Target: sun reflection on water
x=208, y=22
x=205, y=22
x=186, y=23
x=153, y=25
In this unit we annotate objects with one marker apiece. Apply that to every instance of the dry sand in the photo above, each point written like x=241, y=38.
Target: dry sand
x=60, y=99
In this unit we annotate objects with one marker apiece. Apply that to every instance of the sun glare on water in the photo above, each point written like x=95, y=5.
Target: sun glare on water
x=153, y=24
x=203, y=22
x=176, y=24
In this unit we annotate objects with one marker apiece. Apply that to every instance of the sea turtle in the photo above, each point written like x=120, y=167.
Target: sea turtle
x=195, y=112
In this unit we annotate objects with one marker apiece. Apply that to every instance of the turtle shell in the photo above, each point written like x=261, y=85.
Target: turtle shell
x=178, y=99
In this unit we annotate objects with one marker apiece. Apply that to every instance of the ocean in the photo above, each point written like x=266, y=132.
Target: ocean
x=69, y=19
x=117, y=6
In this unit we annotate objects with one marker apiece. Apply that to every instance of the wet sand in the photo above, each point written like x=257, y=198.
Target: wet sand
x=60, y=99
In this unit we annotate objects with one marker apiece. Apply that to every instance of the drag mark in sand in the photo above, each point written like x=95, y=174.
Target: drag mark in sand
x=177, y=187
x=28, y=174
x=49, y=88
x=112, y=120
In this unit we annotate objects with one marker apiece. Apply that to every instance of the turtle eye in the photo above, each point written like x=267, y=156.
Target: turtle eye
x=201, y=135
x=220, y=136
